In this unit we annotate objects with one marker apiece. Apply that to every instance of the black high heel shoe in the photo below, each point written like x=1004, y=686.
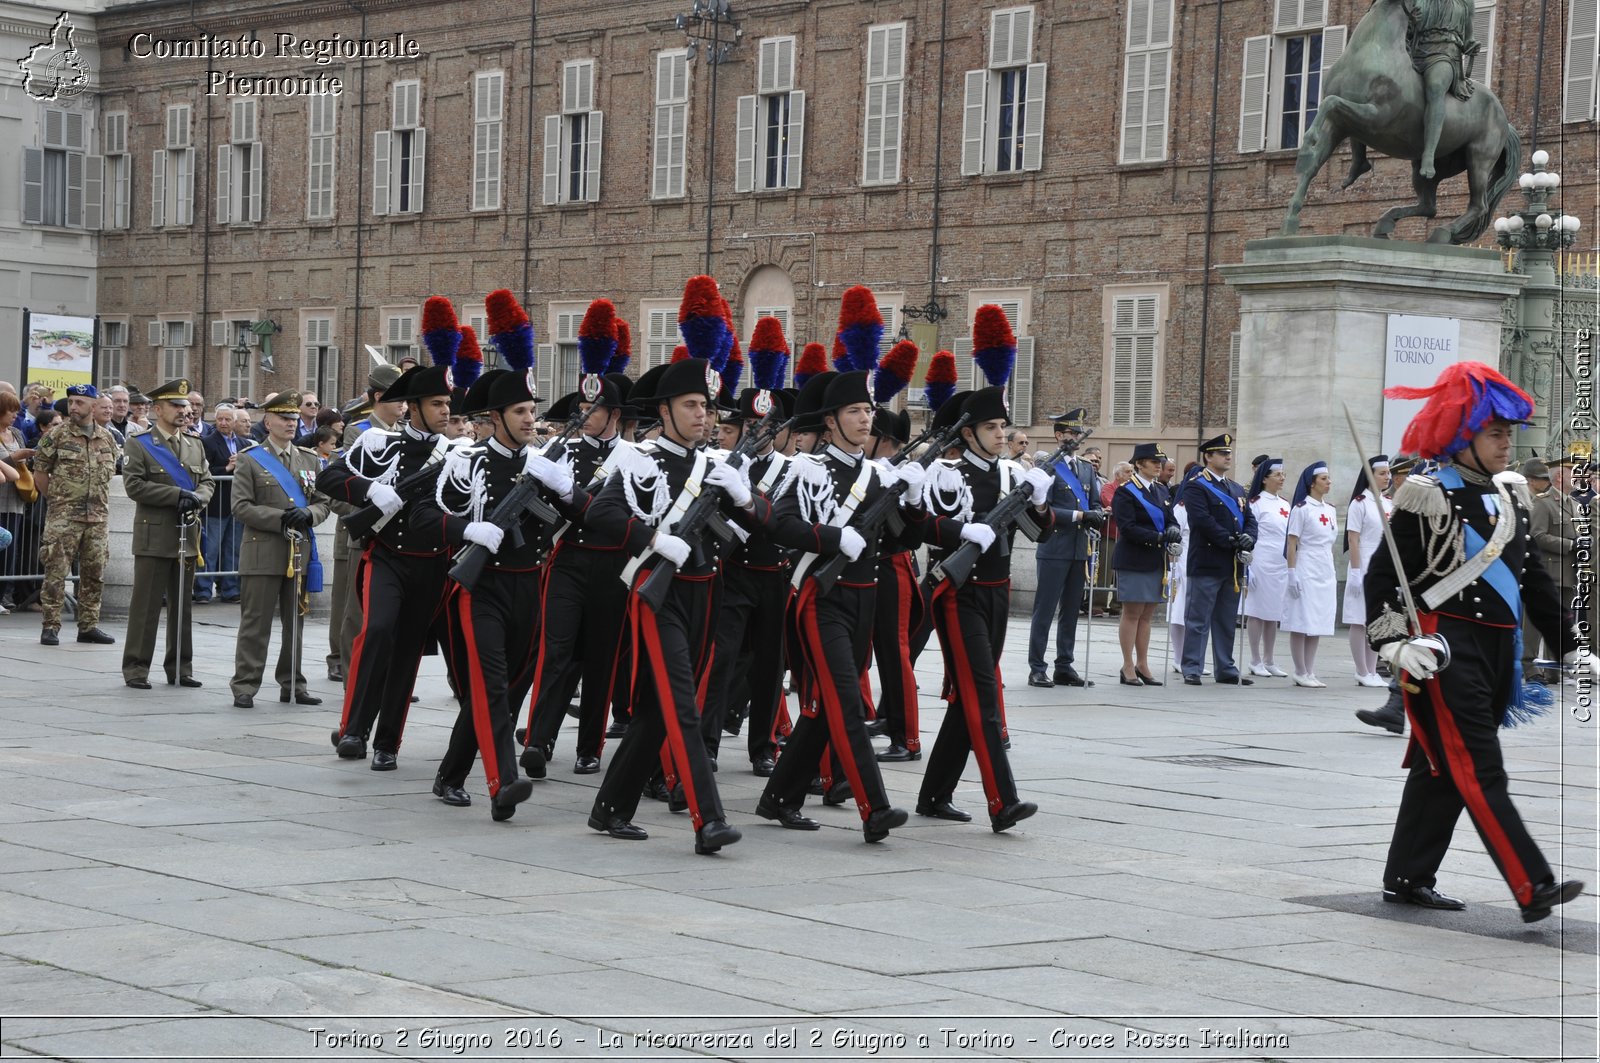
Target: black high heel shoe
x=1125, y=681
x=1145, y=680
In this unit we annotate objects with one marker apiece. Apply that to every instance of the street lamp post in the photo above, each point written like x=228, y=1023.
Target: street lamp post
x=1536, y=234
x=703, y=25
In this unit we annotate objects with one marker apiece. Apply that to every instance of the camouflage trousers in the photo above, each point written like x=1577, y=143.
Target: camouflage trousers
x=63, y=542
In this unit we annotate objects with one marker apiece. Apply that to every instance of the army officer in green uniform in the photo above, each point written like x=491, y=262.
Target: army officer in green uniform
x=275, y=498
x=73, y=469
x=166, y=474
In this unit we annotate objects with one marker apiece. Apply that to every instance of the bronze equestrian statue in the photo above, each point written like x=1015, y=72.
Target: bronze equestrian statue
x=1401, y=88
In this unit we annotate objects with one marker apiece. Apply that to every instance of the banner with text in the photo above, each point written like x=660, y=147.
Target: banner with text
x=60, y=351
x=1417, y=351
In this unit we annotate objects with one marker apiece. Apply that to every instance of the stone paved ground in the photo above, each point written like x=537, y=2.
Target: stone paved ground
x=179, y=878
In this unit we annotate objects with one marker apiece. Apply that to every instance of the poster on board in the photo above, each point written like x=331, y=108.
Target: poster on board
x=60, y=351
x=1417, y=351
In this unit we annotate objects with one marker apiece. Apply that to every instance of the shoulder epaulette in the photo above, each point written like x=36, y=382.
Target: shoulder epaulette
x=1423, y=495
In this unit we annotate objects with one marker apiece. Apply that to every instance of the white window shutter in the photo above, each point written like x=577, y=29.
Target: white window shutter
x=1022, y=383
x=219, y=332
x=972, y=147
x=1333, y=39
x=1313, y=13
x=1033, y=131
x=1253, y=94
x=545, y=372
x=586, y=85
x=1583, y=30
x=872, y=137
x=1286, y=16
x=224, y=182
x=257, y=192
x=419, y=168
x=1144, y=371
x=591, y=176
x=153, y=333
x=1139, y=17
x=1483, y=20
x=795, y=138
x=381, y=166
x=893, y=111
x=158, y=188
x=744, y=155
x=55, y=121
x=1000, y=34
x=308, y=374
x=76, y=140
x=94, y=190
x=186, y=187
x=1233, y=377
x=33, y=186
x=966, y=369
x=552, y=159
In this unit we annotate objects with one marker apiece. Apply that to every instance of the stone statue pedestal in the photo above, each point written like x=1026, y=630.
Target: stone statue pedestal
x=1314, y=315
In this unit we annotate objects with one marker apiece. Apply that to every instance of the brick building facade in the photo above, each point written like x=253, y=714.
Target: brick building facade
x=1090, y=162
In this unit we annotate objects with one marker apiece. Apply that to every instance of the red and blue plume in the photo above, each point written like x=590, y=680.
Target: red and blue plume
x=894, y=371
x=860, y=330
x=994, y=347
x=440, y=332
x=813, y=360
x=597, y=337
x=769, y=354
x=1467, y=396
x=731, y=345
x=940, y=383
x=680, y=353
x=510, y=330
x=469, y=359
x=705, y=331
x=624, y=355
x=733, y=371
x=839, y=356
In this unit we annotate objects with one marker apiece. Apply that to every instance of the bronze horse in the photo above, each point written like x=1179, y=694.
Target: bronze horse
x=1373, y=97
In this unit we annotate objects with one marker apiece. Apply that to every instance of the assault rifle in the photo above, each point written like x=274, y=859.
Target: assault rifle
x=522, y=500
x=369, y=519
x=871, y=520
x=704, y=514
x=1012, y=509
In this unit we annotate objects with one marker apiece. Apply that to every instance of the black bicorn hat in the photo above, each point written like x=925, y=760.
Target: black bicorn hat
x=987, y=404
x=691, y=376
x=893, y=426
x=808, y=404
x=947, y=414
x=847, y=389
x=509, y=390
x=476, y=399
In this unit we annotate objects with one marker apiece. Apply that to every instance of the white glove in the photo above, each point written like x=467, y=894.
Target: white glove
x=557, y=476
x=851, y=543
x=981, y=534
x=671, y=547
x=386, y=498
x=1039, y=481
x=1294, y=585
x=485, y=534
x=912, y=477
x=730, y=480
x=1417, y=657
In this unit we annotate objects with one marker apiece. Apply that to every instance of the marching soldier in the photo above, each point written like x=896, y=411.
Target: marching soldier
x=275, y=498
x=168, y=477
x=344, y=617
x=639, y=506
x=1462, y=535
x=812, y=513
x=1222, y=532
x=73, y=468
x=402, y=572
x=971, y=620
x=493, y=623
x=583, y=588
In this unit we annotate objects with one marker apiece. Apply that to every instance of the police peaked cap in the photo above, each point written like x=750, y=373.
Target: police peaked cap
x=1222, y=442
x=1147, y=452
x=1072, y=421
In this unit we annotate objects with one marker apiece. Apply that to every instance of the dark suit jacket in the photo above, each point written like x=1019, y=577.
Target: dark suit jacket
x=216, y=445
x=1139, y=546
x=1212, y=524
x=1071, y=539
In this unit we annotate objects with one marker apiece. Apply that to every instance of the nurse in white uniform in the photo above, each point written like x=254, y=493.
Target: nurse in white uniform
x=1363, y=537
x=1264, y=603
x=1313, y=586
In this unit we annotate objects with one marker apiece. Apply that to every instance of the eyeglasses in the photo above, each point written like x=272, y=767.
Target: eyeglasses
x=312, y=405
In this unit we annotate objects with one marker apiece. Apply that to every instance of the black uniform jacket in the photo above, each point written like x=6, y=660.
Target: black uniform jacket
x=391, y=457
x=963, y=490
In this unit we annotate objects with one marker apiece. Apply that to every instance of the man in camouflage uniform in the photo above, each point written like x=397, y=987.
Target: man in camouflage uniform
x=73, y=469
x=166, y=474
x=344, y=606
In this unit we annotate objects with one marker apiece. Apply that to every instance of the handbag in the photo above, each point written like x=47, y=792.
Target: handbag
x=26, y=488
